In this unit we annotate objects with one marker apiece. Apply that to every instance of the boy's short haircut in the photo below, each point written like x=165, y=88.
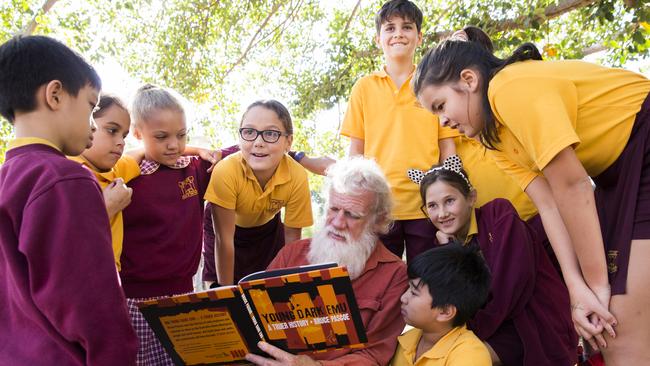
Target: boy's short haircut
x=456, y=275
x=28, y=62
x=402, y=8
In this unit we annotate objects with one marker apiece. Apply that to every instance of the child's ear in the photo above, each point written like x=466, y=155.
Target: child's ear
x=469, y=79
x=136, y=133
x=289, y=142
x=447, y=313
x=54, y=95
x=472, y=197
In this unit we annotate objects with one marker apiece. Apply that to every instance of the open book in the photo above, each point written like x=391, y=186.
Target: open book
x=300, y=309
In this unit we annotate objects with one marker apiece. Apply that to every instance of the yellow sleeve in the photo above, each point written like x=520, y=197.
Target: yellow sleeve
x=298, y=212
x=444, y=132
x=222, y=189
x=520, y=174
x=469, y=353
x=127, y=168
x=541, y=113
x=353, y=123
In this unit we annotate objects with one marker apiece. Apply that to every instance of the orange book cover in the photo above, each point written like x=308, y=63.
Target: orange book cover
x=301, y=309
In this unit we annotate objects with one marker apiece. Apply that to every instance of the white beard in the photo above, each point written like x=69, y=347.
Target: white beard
x=352, y=254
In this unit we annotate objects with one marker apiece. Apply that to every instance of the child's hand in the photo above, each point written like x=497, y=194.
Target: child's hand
x=117, y=196
x=444, y=238
x=213, y=156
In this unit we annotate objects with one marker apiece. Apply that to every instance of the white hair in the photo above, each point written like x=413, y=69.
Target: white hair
x=359, y=175
x=353, y=254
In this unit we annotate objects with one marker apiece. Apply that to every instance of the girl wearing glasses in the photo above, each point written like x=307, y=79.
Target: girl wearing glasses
x=527, y=320
x=249, y=189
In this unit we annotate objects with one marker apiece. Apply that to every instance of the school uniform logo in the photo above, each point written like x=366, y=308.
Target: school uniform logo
x=612, y=255
x=275, y=205
x=188, y=188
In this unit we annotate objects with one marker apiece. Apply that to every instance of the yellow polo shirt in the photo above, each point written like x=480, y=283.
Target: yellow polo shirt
x=397, y=132
x=542, y=107
x=127, y=169
x=233, y=186
x=489, y=181
x=459, y=347
x=473, y=227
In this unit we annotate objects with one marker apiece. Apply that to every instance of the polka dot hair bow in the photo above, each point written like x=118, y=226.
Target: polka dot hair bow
x=452, y=163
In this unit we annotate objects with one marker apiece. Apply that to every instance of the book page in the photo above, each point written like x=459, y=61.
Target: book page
x=205, y=336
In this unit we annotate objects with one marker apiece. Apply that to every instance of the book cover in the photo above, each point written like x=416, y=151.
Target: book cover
x=301, y=309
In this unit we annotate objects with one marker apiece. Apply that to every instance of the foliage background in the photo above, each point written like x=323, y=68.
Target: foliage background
x=223, y=54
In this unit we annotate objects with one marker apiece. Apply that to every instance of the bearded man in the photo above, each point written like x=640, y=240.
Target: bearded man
x=358, y=210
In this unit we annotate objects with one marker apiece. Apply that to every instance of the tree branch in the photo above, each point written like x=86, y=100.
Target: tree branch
x=354, y=12
x=253, y=39
x=550, y=12
x=31, y=26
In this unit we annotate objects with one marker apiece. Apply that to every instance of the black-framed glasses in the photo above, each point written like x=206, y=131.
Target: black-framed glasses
x=270, y=136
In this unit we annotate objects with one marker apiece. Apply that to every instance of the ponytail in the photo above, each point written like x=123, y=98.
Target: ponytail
x=444, y=63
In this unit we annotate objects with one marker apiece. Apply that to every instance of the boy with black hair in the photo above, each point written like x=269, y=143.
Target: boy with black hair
x=447, y=285
x=59, y=293
x=384, y=121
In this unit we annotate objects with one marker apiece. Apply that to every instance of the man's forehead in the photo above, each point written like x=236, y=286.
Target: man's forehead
x=358, y=201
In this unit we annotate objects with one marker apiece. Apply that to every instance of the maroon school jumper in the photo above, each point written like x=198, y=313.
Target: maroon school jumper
x=163, y=231
x=527, y=319
x=60, y=300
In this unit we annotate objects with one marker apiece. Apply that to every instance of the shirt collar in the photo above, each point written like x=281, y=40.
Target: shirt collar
x=108, y=176
x=383, y=74
x=443, y=346
x=22, y=141
x=281, y=175
x=409, y=342
x=473, y=227
x=380, y=254
x=148, y=167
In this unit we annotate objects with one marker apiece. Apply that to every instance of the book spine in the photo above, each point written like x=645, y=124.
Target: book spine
x=250, y=312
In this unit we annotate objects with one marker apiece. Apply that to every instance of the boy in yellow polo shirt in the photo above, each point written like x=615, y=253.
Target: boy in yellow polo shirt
x=447, y=285
x=384, y=121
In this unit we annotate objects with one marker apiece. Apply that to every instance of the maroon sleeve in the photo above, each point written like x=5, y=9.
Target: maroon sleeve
x=509, y=253
x=229, y=150
x=66, y=241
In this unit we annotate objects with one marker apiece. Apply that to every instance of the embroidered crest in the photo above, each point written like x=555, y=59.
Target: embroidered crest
x=275, y=205
x=612, y=255
x=188, y=188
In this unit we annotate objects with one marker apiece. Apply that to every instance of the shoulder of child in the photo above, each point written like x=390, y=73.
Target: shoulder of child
x=469, y=350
